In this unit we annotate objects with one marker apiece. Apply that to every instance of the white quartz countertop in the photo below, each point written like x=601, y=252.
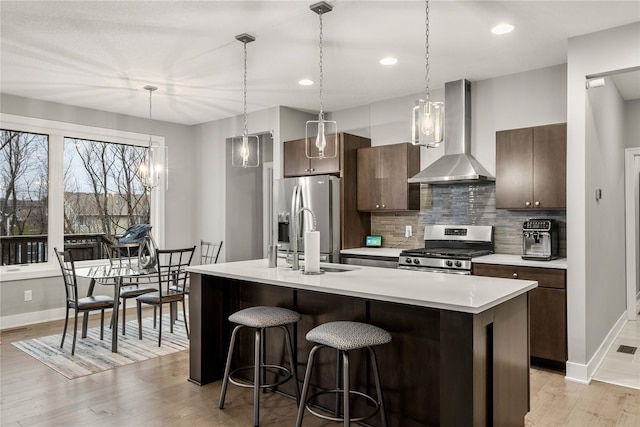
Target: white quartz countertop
x=506, y=259
x=469, y=294
x=373, y=252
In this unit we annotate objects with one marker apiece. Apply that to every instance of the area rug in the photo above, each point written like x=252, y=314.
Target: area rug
x=93, y=355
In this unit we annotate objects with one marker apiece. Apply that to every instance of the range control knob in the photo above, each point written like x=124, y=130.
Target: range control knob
x=416, y=261
x=408, y=260
x=458, y=264
x=449, y=263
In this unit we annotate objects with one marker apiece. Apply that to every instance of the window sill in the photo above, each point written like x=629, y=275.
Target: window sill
x=26, y=272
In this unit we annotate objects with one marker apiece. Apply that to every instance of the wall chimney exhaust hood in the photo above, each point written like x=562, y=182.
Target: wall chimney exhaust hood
x=457, y=165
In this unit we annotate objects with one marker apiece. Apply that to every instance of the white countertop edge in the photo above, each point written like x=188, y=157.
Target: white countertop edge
x=516, y=260
x=381, y=252
x=215, y=270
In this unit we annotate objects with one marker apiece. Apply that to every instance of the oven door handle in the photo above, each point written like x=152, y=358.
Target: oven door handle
x=435, y=270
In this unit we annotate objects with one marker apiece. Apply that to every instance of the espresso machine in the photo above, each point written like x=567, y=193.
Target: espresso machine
x=540, y=239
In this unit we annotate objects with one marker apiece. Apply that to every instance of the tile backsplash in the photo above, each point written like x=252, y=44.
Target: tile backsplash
x=463, y=204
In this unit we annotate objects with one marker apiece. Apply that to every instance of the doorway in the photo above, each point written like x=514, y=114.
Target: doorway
x=632, y=219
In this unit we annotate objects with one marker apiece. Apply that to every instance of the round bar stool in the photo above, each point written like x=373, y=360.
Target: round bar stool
x=344, y=336
x=260, y=318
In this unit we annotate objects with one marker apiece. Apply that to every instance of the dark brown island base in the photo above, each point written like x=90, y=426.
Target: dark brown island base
x=459, y=355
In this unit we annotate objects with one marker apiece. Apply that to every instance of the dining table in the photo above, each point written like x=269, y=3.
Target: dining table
x=111, y=275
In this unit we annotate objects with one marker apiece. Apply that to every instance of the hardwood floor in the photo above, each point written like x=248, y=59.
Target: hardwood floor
x=156, y=393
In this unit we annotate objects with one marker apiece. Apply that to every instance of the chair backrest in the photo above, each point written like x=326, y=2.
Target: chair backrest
x=65, y=259
x=122, y=254
x=209, y=252
x=172, y=264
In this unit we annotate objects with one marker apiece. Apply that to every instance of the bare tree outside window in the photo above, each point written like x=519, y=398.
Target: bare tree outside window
x=104, y=194
x=24, y=177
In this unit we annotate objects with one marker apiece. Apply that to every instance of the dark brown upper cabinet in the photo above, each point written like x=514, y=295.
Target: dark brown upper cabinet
x=296, y=162
x=382, y=178
x=531, y=165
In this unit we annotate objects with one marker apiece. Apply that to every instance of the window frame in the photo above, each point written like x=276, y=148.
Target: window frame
x=57, y=131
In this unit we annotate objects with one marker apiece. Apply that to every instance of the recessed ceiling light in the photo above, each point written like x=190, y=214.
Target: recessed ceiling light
x=502, y=29
x=388, y=61
x=305, y=82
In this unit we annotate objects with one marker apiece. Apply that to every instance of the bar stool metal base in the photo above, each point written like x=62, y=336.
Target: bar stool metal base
x=338, y=393
x=241, y=382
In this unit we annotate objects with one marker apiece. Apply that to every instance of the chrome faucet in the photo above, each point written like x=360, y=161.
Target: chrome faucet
x=296, y=225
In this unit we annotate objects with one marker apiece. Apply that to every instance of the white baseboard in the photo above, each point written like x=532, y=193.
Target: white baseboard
x=583, y=373
x=24, y=319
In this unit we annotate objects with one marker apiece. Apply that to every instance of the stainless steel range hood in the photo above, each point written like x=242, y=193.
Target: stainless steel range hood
x=457, y=165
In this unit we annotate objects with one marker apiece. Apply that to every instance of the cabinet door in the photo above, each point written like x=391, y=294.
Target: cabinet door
x=328, y=164
x=368, y=191
x=548, y=324
x=549, y=166
x=392, y=177
x=296, y=162
x=514, y=169
x=295, y=159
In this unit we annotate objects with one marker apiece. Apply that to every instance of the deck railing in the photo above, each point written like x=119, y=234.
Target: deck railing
x=34, y=248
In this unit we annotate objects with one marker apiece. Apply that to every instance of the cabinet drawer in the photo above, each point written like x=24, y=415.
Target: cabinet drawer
x=546, y=277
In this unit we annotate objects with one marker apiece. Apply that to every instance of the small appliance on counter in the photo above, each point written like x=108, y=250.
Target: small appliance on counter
x=373, y=242
x=540, y=239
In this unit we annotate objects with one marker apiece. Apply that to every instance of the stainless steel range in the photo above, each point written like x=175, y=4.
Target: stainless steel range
x=448, y=249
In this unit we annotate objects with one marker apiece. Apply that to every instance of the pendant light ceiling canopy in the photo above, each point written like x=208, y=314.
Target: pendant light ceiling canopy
x=321, y=136
x=245, y=149
x=427, y=117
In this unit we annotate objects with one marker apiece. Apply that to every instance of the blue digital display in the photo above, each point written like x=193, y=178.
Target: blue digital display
x=373, y=241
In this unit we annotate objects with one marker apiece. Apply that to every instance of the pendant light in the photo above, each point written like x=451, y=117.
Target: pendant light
x=427, y=121
x=156, y=156
x=245, y=149
x=321, y=136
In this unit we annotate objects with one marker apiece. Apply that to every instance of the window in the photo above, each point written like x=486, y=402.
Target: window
x=103, y=194
x=74, y=185
x=24, y=175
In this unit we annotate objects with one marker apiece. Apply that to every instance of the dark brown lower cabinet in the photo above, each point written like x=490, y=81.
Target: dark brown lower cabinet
x=547, y=310
x=441, y=368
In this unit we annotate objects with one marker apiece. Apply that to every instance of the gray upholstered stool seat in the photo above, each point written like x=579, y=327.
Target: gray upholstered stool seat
x=264, y=317
x=260, y=318
x=344, y=336
x=348, y=335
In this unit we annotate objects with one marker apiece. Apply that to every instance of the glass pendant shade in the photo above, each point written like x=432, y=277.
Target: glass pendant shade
x=427, y=126
x=154, y=165
x=245, y=151
x=321, y=139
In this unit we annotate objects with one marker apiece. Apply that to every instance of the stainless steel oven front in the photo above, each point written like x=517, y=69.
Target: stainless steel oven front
x=435, y=270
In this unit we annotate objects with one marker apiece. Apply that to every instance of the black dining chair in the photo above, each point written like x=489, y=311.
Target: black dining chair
x=172, y=283
x=126, y=255
x=209, y=251
x=82, y=305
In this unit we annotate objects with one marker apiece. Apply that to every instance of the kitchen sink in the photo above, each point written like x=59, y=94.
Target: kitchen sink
x=334, y=270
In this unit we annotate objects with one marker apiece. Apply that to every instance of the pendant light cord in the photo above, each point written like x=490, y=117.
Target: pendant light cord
x=150, y=119
x=321, y=115
x=245, y=133
x=426, y=48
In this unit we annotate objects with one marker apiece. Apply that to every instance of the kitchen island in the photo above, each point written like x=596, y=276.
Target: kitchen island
x=459, y=354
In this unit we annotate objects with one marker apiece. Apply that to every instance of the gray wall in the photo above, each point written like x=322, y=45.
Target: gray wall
x=48, y=292
x=590, y=164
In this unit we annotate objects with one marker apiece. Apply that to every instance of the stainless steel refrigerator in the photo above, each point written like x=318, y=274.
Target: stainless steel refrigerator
x=321, y=194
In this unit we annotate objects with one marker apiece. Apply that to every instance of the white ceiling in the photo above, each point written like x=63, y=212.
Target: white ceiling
x=99, y=54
